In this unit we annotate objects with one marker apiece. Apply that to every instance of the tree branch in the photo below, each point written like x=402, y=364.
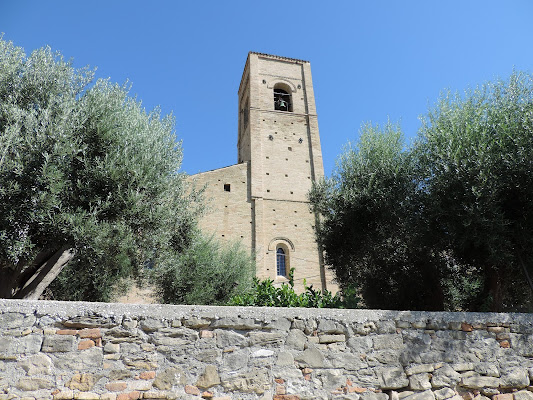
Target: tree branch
x=45, y=274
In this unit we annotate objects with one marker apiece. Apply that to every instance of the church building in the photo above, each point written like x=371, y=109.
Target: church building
x=262, y=200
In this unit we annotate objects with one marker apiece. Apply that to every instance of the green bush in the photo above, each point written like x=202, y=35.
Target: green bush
x=265, y=294
x=208, y=272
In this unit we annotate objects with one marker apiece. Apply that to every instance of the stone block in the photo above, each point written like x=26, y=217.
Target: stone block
x=12, y=320
x=34, y=383
x=394, y=341
x=419, y=368
x=515, y=378
x=284, y=359
x=82, y=382
x=523, y=395
x=426, y=395
x=296, y=339
x=444, y=393
x=311, y=357
x=58, y=344
x=208, y=378
x=503, y=396
x=255, y=381
x=230, y=339
x=326, y=339
x=445, y=376
x=393, y=378
x=36, y=364
x=420, y=382
x=275, y=339
x=168, y=378
x=478, y=382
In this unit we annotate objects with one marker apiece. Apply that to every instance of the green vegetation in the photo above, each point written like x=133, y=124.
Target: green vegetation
x=205, y=273
x=265, y=294
x=89, y=182
x=447, y=222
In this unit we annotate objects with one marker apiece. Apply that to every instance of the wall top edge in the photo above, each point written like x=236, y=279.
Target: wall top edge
x=66, y=309
x=274, y=57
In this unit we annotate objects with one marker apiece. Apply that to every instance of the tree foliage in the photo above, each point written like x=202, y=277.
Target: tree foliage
x=86, y=176
x=207, y=272
x=447, y=222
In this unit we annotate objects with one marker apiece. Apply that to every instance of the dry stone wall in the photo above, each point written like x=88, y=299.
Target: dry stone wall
x=92, y=351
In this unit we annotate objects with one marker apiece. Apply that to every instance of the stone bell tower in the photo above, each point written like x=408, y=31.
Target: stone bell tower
x=278, y=136
x=262, y=201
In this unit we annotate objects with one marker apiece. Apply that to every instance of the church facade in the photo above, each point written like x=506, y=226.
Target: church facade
x=262, y=200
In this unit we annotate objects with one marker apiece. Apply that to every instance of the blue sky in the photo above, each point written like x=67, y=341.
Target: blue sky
x=371, y=60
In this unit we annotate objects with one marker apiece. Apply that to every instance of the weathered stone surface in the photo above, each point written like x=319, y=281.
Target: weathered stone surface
x=516, y=378
x=487, y=369
x=282, y=324
x=230, y=339
x=208, y=378
x=388, y=342
x=444, y=393
x=82, y=382
x=393, y=378
x=310, y=357
x=503, y=396
x=266, y=338
x=522, y=344
x=330, y=326
x=347, y=361
x=461, y=367
x=11, y=320
x=256, y=381
x=236, y=360
x=426, y=395
x=445, y=376
x=262, y=353
x=152, y=324
x=58, y=343
x=36, y=364
x=285, y=358
x=360, y=344
x=523, y=395
x=331, y=338
x=478, y=382
x=170, y=377
x=419, y=368
x=137, y=361
x=91, y=321
x=236, y=323
x=296, y=339
x=34, y=383
x=196, y=323
x=111, y=348
x=420, y=381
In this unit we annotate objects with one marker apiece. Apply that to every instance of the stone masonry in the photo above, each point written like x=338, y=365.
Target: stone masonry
x=94, y=351
x=262, y=201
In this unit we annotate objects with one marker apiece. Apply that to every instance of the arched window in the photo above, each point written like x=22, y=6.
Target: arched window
x=280, y=262
x=282, y=100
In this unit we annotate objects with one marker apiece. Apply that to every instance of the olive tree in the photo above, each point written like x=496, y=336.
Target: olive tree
x=446, y=223
x=89, y=181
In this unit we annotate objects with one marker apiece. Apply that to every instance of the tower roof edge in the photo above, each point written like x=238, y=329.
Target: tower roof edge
x=278, y=57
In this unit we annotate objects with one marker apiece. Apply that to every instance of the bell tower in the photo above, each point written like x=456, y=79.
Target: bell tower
x=279, y=140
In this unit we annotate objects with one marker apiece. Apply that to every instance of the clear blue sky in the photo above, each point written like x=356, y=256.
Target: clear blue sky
x=371, y=60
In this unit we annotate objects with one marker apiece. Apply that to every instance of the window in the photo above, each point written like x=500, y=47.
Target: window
x=280, y=262
x=227, y=187
x=282, y=100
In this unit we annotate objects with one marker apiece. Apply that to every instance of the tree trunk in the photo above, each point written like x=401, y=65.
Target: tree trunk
x=31, y=283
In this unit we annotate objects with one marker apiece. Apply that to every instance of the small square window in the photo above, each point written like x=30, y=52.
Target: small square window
x=227, y=187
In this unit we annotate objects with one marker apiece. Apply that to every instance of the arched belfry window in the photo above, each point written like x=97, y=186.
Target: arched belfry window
x=281, y=262
x=282, y=100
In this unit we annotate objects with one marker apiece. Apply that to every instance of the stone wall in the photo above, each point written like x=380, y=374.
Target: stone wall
x=93, y=351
